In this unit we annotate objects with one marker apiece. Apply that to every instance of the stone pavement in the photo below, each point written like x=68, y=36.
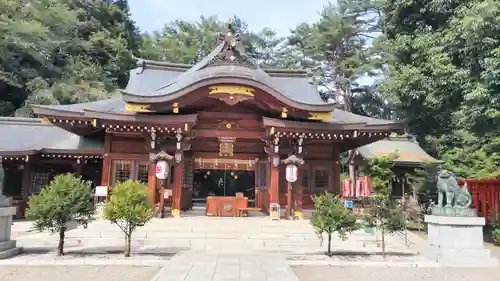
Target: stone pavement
x=237, y=235
x=206, y=266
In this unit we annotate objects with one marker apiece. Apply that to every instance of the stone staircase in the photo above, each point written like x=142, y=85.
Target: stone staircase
x=249, y=234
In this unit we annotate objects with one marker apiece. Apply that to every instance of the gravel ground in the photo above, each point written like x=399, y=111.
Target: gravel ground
x=331, y=273
x=77, y=273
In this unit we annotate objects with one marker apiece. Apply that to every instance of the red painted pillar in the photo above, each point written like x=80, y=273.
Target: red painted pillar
x=151, y=183
x=176, y=206
x=299, y=196
x=484, y=207
x=274, y=185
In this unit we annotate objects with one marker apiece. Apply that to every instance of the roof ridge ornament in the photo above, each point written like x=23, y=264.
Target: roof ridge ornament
x=233, y=51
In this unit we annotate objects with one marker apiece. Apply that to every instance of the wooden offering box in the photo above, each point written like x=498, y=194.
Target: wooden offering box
x=225, y=206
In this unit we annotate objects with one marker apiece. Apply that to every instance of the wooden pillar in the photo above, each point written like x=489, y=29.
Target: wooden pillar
x=106, y=161
x=336, y=171
x=298, y=198
x=26, y=185
x=106, y=169
x=289, y=195
x=151, y=183
x=274, y=185
x=79, y=168
x=176, y=206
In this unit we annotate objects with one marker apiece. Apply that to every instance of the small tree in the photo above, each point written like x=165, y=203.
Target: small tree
x=66, y=199
x=384, y=212
x=128, y=208
x=331, y=216
x=426, y=185
x=388, y=217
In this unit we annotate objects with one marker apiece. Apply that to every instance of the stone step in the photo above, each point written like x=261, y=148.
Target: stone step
x=10, y=253
x=5, y=245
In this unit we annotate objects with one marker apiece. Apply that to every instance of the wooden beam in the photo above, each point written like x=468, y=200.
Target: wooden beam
x=204, y=133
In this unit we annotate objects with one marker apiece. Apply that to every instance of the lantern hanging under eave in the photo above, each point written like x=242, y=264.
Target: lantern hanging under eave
x=162, y=169
x=291, y=172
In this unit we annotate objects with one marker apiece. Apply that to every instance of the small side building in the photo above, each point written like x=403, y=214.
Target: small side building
x=32, y=153
x=410, y=157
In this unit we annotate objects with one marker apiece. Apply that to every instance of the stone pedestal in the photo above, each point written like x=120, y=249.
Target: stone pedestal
x=7, y=247
x=457, y=242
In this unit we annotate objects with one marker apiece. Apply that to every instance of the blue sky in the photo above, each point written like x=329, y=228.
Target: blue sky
x=279, y=15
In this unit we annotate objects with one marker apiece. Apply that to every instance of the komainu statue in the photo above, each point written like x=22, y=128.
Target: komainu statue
x=456, y=196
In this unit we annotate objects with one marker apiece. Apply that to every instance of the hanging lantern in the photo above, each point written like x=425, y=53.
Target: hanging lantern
x=162, y=169
x=291, y=172
x=178, y=156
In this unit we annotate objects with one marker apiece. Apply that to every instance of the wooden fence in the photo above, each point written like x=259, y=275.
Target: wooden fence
x=485, y=197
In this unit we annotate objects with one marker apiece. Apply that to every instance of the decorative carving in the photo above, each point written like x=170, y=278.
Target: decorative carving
x=226, y=146
x=284, y=113
x=231, y=95
x=320, y=116
x=227, y=125
x=233, y=51
x=175, y=107
x=231, y=90
x=45, y=120
x=130, y=107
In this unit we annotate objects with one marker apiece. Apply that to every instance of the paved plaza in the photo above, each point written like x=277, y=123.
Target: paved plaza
x=333, y=273
x=77, y=273
x=206, y=248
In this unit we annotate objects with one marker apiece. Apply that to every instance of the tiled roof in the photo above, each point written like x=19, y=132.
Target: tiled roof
x=28, y=135
x=406, y=146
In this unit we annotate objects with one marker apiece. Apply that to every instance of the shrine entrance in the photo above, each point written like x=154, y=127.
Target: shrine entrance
x=223, y=183
x=223, y=186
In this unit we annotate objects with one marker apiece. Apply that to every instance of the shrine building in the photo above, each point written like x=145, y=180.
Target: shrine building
x=226, y=123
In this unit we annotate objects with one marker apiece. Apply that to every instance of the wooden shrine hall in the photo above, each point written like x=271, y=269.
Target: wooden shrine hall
x=226, y=122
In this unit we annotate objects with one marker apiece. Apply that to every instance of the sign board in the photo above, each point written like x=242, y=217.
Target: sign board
x=348, y=204
x=167, y=193
x=162, y=170
x=101, y=191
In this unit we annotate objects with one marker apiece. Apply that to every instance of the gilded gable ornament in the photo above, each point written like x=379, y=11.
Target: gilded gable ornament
x=233, y=51
x=231, y=94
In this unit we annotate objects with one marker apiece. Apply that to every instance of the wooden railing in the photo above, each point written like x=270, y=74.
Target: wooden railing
x=485, y=197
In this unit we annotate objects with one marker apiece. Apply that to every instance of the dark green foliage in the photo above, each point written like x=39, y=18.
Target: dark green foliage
x=426, y=184
x=443, y=71
x=383, y=211
x=67, y=51
x=66, y=199
x=331, y=216
x=379, y=169
x=128, y=208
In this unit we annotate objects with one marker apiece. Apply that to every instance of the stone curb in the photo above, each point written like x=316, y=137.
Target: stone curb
x=361, y=264
x=161, y=272
x=20, y=262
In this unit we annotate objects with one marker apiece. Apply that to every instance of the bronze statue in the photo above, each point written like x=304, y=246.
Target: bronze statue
x=456, y=196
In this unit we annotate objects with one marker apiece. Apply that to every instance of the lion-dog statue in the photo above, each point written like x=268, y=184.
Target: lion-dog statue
x=456, y=196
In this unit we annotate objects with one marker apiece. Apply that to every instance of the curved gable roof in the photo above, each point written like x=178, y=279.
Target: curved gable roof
x=161, y=81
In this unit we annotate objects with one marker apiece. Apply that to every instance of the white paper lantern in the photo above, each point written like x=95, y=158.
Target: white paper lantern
x=291, y=172
x=162, y=170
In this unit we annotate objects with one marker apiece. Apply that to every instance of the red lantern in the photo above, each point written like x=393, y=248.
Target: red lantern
x=162, y=170
x=291, y=172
